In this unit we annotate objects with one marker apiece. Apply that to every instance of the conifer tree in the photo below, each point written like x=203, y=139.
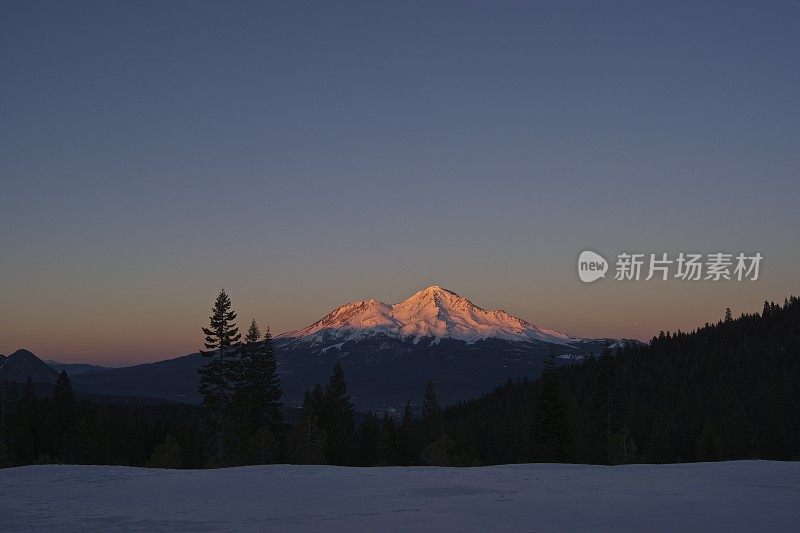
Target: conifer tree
x=388, y=443
x=606, y=409
x=9, y=405
x=62, y=393
x=62, y=414
x=407, y=447
x=216, y=377
x=242, y=425
x=338, y=419
x=25, y=447
x=369, y=440
x=266, y=386
x=257, y=396
x=431, y=417
x=308, y=440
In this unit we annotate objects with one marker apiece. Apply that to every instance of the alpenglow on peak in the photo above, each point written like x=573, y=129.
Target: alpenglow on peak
x=434, y=312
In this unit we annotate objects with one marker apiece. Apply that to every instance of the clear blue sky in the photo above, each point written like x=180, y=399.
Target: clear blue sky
x=305, y=154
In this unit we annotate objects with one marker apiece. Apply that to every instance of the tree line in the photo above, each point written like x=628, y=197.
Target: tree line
x=58, y=426
x=729, y=390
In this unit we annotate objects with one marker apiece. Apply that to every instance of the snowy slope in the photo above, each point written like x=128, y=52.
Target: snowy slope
x=735, y=496
x=434, y=312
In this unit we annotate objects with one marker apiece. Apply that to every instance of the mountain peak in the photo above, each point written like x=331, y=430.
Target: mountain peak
x=433, y=312
x=433, y=289
x=437, y=290
x=22, y=364
x=435, y=295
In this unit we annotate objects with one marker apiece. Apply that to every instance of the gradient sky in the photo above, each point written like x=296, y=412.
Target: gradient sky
x=305, y=154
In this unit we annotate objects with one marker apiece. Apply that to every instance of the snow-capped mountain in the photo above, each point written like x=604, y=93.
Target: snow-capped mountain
x=433, y=313
x=388, y=353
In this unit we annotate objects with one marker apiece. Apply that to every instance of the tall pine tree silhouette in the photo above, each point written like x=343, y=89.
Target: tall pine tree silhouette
x=266, y=386
x=258, y=394
x=241, y=427
x=221, y=343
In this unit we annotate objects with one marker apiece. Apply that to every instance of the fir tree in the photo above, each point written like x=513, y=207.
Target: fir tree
x=24, y=445
x=369, y=441
x=9, y=405
x=262, y=375
x=407, y=448
x=606, y=411
x=62, y=415
x=246, y=379
x=308, y=440
x=241, y=423
x=338, y=419
x=62, y=392
x=387, y=452
x=258, y=393
x=431, y=417
x=221, y=347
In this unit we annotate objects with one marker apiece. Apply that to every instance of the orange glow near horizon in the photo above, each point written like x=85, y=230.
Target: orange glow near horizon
x=129, y=335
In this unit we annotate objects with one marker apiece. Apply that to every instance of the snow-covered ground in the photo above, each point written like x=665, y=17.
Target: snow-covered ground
x=735, y=496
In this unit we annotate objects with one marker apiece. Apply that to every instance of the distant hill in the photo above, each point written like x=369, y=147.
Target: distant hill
x=174, y=379
x=382, y=373
x=73, y=369
x=22, y=364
